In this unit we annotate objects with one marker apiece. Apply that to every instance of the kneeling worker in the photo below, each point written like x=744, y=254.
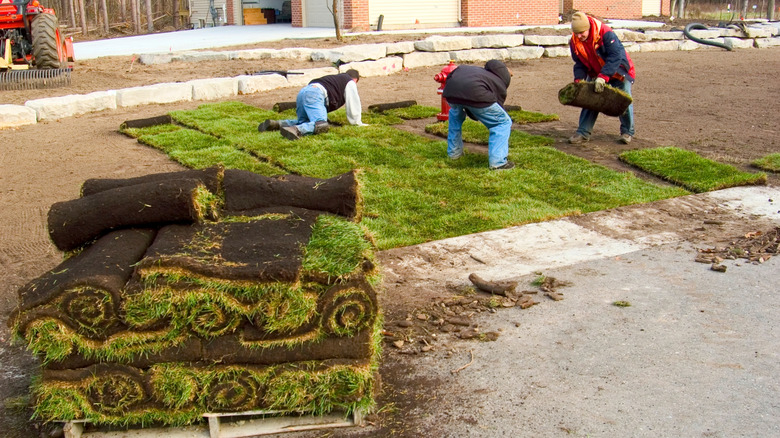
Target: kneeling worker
x=480, y=94
x=315, y=101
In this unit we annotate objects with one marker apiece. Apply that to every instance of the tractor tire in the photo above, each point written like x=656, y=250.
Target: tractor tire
x=46, y=42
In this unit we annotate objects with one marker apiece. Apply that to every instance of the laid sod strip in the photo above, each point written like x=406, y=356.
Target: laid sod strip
x=770, y=162
x=523, y=117
x=690, y=170
x=178, y=393
x=412, y=193
x=148, y=130
x=476, y=132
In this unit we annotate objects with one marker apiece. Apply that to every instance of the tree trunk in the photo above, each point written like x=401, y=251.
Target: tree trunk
x=744, y=9
x=104, y=11
x=83, y=13
x=122, y=10
x=135, y=13
x=770, y=10
x=681, y=14
x=176, y=16
x=336, y=23
x=72, y=9
x=149, y=17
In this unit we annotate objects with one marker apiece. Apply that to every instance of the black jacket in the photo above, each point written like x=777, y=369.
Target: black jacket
x=334, y=85
x=476, y=86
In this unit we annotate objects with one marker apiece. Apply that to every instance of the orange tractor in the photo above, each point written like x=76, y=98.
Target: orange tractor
x=33, y=53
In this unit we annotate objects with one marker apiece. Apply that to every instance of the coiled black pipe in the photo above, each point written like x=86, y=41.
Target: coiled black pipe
x=687, y=32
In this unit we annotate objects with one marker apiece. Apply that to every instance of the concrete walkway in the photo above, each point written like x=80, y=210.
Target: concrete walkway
x=223, y=36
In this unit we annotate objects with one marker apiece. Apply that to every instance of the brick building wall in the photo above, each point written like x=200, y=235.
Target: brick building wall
x=230, y=11
x=297, y=14
x=479, y=13
x=624, y=9
x=356, y=15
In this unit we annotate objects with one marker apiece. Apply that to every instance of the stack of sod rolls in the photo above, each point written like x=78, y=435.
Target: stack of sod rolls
x=204, y=291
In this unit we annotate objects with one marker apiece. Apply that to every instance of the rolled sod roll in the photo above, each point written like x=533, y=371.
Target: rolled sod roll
x=245, y=190
x=76, y=222
x=611, y=101
x=382, y=107
x=211, y=177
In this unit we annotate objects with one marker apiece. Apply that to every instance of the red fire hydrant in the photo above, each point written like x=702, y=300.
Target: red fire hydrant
x=441, y=77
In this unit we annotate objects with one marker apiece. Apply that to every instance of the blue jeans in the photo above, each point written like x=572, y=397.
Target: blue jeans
x=588, y=117
x=498, y=123
x=310, y=108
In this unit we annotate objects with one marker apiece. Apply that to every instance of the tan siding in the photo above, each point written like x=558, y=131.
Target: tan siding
x=409, y=12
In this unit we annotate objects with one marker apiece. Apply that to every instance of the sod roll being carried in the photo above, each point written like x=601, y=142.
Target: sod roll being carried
x=611, y=101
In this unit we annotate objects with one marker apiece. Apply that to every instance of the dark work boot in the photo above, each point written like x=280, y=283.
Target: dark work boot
x=269, y=125
x=321, y=127
x=290, y=133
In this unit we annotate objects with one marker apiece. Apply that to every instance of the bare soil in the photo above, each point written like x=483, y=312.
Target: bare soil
x=720, y=104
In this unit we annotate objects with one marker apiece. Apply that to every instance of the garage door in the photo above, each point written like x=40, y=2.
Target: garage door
x=408, y=13
x=316, y=13
x=651, y=7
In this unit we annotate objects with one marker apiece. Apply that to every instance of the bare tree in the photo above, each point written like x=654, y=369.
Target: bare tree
x=176, y=16
x=335, y=13
x=83, y=13
x=149, y=19
x=72, y=9
x=104, y=12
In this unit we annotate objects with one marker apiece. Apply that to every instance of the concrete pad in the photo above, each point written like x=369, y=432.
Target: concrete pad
x=659, y=46
x=192, y=56
x=525, y=52
x=738, y=43
x=665, y=35
x=554, y=52
x=309, y=74
x=425, y=59
x=12, y=116
x=216, y=88
x=155, y=58
x=400, y=47
x=355, y=53
x=479, y=55
x=763, y=43
x=250, y=84
x=438, y=43
x=381, y=67
x=158, y=93
x=546, y=40
x=630, y=35
x=497, y=41
x=72, y=105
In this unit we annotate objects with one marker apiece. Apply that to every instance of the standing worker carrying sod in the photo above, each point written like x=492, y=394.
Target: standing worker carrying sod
x=480, y=94
x=315, y=101
x=599, y=55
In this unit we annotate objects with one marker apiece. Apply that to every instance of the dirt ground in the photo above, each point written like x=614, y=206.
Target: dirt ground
x=720, y=104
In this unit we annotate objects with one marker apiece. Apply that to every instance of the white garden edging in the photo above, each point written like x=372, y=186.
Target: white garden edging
x=368, y=59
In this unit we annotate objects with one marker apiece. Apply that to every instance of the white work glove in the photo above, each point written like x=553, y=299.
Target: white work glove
x=598, y=85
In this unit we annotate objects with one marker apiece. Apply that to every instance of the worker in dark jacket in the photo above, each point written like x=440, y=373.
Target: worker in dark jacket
x=315, y=101
x=480, y=94
x=599, y=56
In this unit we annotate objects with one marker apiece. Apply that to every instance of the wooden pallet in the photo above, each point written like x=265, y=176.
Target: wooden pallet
x=226, y=425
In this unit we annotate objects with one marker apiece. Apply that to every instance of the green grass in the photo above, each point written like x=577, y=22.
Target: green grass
x=522, y=117
x=690, y=170
x=770, y=162
x=412, y=192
